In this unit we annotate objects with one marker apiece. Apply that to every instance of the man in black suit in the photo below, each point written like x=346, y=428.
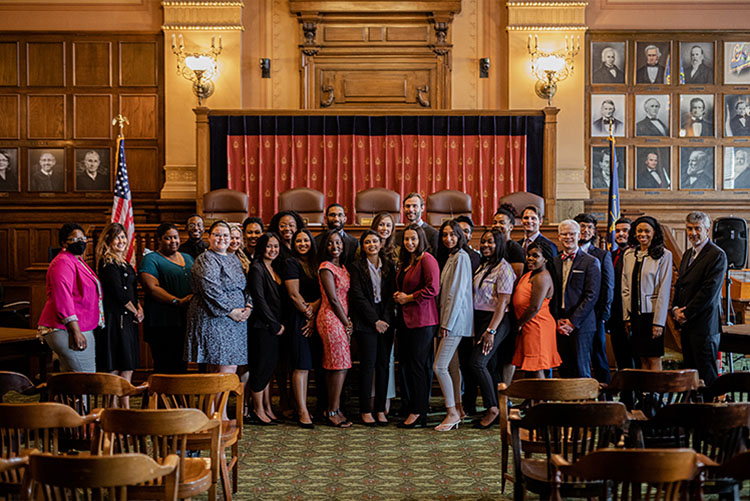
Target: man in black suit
x=46, y=177
x=600, y=126
x=194, y=245
x=467, y=226
x=577, y=284
x=335, y=220
x=695, y=176
x=90, y=178
x=697, y=72
x=696, y=305
x=531, y=218
x=739, y=123
x=587, y=243
x=651, y=175
x=696, y=123
x=413, y=209
x=652, y=72
x=618, y=334
x=742, y=168
x=651, y=125
x=608, y=72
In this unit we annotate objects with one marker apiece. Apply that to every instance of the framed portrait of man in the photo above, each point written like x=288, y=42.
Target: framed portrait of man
x=652, y=168
x=606, y=108
x=652, y=115
x=736, y=63
x=651, y=63
x=47, y=170
x=601, y=164
x=696, y=63
x=608, y=62
x=736, y=115
x=696, y=168
x=92, y=169
x=696, y=115
x=736, y=168
x=9, y=169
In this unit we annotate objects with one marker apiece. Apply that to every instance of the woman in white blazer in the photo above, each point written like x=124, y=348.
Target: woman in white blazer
x=646, y=284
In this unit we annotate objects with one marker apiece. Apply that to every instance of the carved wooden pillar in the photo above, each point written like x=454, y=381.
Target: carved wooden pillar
x=375, y=53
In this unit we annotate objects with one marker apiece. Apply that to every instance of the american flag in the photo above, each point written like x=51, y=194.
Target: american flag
x=122, y=208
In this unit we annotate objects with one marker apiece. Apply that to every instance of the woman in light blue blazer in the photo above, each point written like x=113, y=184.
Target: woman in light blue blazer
x=456, y=316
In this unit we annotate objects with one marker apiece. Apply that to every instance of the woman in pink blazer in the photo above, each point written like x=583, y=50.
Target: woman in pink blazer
x=417, y=285
x=74, y=304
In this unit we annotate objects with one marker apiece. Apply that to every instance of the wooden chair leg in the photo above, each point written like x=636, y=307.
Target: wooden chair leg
x=505, y=466
x=226, y=486
x=235, y=467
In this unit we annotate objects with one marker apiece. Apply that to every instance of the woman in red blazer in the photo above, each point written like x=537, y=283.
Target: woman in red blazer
x=417, y=285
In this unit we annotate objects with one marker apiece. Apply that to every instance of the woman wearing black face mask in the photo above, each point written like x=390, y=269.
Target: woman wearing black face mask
x=74, y=304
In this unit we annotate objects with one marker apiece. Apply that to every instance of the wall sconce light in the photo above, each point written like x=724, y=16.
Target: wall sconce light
x=265, y=67
x=551, y=67
x=484, y=67
x=198, y=67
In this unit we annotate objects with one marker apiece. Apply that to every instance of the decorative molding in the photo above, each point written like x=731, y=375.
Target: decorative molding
x=547, y=28
x=421, y=92
x=197, y=16
x=326, y=96
x=179, y=182
x=554, y=15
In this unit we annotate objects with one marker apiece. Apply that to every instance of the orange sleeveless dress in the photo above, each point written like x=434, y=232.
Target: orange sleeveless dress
x=536, y=347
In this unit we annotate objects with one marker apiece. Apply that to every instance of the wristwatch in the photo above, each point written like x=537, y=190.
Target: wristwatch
x=491, y=331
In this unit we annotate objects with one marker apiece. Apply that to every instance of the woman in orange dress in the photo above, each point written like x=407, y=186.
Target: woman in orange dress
x=536, y=348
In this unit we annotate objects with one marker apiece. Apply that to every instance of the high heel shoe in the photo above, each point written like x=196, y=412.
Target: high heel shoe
x=254, y=419
x=420, y=422
x=330, y=422
x=447, y=426
x=307, y=426
x=479, y=426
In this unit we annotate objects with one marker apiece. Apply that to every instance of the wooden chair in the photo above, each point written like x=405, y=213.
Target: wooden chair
x=666, y=474
x=718, y=431
x=737, y=468
x=730, y=387
x=571, y=429
x=210, y=393
x=160, y=433
x=33, y=426
x=85, y=392
x=535, y=391
x=14, y=381
x=66, y=478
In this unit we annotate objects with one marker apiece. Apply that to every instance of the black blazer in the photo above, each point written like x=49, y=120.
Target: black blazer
x=429, y=232
x=615, y=314
x=350, y=246
x=602, y=75
x=641, y=76
x=362, y=300
x=581, y=291
x=542, y=238
x=266, y=296
x=703, y=75
x=646, y=180
x=699, y=289
x=737, y=128
x=607, y=284
x=646, y=128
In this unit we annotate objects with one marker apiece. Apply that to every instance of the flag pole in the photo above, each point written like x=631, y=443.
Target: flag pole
x=613, y=200
x=120, y=121
x=122, y=207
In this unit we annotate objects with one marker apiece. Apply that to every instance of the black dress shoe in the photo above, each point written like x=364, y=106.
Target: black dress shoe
x=254, y=419
x=479, y=426
x=381, y=423
x=307, y=426
x=420, y=422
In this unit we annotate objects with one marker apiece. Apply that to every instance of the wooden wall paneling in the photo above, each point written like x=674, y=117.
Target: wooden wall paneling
x=92, y=64
x=9, y=68
x=407, y=34
x=92, y=116
x=46, y=116
x=138, y=64
x=5, y=253
x=10, y=118
x=45, y=64
x=144, y=168
x=143, y=112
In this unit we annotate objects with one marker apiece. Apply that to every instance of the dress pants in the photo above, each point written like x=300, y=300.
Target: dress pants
x=621, y=347
x=263, y=357
x=72, y=360
x=374, y=360
x=449, y=380
x=480, y=362
x=418, y=356
x=700, y=352
x=167, y=346
x=599, y=354
x=468, y=379
x=575, y=352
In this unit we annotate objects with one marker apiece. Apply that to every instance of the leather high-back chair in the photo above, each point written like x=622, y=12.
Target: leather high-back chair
x=522, y=199
x=446, y=204
x=308, y=203
x=368, y=203
x=226, y=204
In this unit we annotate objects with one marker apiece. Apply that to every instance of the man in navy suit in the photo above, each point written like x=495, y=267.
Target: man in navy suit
x=335, y=220
x=696, y=305
x=618, y=334
x=577, y=284
x=602, y=309
x=531, y=218
x=413, y=209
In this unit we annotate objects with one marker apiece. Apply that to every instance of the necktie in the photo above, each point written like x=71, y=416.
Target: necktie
x=567, y=256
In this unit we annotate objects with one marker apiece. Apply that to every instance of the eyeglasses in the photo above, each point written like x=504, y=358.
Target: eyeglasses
x=80, y=239
x=219, y=235
x=194, y=225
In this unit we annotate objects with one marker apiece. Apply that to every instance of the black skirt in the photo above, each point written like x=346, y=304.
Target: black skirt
x=644, y=345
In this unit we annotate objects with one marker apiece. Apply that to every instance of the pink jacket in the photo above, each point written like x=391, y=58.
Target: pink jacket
x=73, y=293
x=422, y=280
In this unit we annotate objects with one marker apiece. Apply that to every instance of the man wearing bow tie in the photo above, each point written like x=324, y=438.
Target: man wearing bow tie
x=618, y=334
x=651, y=175
x=651, y=125
x=697, y=123
x=740, y=123
x=608, y=72
x=696, y=306
x=697, y=176
x=577, y=281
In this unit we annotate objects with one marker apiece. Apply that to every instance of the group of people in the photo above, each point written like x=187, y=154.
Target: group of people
x=278, y=302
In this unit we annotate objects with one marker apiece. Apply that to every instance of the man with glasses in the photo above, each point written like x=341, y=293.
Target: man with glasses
x=194, y=245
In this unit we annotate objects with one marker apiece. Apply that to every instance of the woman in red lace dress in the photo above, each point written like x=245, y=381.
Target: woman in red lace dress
x=334, y=325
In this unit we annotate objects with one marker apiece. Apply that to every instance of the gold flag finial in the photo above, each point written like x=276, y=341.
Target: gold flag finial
x=121, y=121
